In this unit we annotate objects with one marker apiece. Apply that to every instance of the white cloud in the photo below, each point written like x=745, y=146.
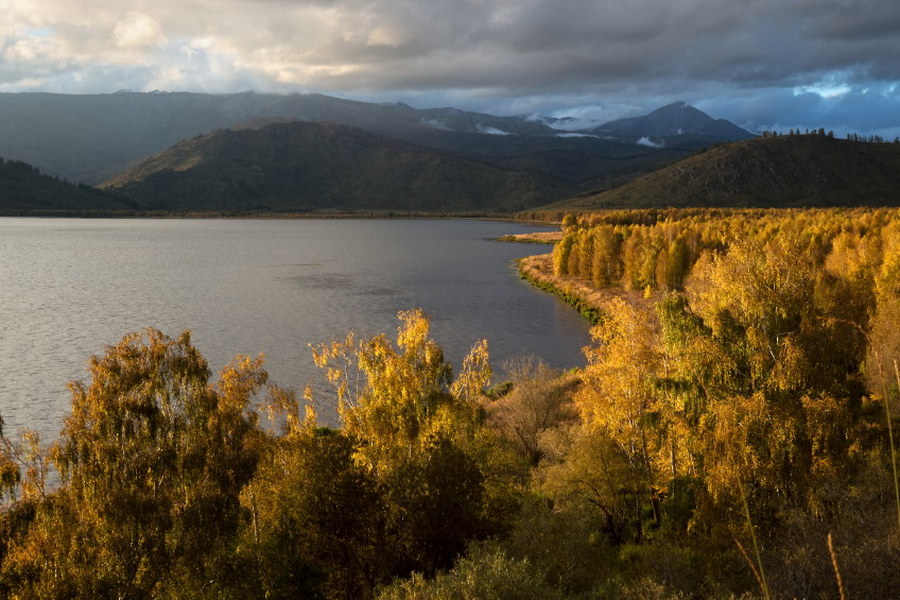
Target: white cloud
x=578, y=135
x=137, y=30
x=382, y=36
x=435, y=124
x=490, y=130
x=645, y=141
x=31, y=50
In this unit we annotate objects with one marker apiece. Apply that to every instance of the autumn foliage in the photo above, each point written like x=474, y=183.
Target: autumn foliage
x=732, y=435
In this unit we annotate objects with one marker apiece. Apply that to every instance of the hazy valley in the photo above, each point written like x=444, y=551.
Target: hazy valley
x=432, y=160
x=257, y=153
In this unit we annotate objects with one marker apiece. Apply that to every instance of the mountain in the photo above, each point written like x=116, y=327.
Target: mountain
x=585, y=162
x=25, y=190
x=300, y=166
x=674, y=123
x=783, y=171
x=91, y=138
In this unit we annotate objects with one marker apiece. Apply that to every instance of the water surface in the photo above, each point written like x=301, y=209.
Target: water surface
x=70, y=287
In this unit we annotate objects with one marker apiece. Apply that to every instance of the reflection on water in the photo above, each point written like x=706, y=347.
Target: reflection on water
x=322, y=281
x=336, y=281
x=68, y=288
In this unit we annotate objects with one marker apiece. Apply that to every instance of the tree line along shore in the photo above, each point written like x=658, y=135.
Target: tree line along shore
x=731, y=436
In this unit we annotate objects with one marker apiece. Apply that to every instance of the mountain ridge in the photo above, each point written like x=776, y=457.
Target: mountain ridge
x=782, y=171
x=91, y=138
x=299, y=166
x=678, y=118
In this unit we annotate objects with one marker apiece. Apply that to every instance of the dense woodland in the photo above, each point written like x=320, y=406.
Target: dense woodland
x=730, y=437
x=24, y=190
x=781, y=171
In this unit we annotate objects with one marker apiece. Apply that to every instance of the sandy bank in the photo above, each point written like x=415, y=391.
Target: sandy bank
x=580, y=293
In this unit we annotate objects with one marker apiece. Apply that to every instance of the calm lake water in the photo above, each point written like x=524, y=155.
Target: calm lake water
x=70, y=287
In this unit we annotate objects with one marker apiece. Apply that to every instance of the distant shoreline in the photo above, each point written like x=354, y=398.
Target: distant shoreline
x=535, y=237
x=162, y=214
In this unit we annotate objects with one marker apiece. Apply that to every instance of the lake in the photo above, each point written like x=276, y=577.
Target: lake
x=70, y=287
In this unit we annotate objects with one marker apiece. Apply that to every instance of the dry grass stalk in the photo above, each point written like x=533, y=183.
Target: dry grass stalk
x=837, y=571
x=750, y=564
x=887, y=408
x=761, y=575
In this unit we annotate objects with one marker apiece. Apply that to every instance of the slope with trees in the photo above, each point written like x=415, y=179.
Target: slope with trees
x=25, y=190
x=91, y=138
x=299, y=166
x=774, y=171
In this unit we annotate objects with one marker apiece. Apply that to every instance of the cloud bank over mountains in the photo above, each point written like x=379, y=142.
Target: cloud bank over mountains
x=759, y=63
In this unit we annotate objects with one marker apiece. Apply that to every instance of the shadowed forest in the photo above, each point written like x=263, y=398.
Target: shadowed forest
x=732, y=436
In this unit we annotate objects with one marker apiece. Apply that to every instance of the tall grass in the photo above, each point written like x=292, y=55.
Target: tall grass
x=837, y=572
x=760, y=574
x=887, y=408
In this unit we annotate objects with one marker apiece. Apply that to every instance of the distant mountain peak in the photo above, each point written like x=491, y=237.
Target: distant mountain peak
x=677, y=119
x=680, y=110
x=92, y=138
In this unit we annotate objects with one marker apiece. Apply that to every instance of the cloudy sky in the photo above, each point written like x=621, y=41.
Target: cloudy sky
x=760, y=63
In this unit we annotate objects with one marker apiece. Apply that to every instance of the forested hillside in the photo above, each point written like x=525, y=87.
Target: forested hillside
x=92, y=138
x=25, y=190
x=299, y=166
x=780, y=172
x=733, y=435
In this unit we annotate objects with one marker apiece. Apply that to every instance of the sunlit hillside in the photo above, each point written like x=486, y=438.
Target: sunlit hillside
x=783, y=171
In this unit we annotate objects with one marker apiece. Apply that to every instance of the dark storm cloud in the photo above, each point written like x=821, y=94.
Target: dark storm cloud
x=505, y=54
x=851, y=20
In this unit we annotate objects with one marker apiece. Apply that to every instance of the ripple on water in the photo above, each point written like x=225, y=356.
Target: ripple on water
x=72, y=287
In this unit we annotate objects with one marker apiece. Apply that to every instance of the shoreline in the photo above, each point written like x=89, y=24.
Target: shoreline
x=224, y=214
x=538, y=271
x=579, y=293
x=537, y=237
